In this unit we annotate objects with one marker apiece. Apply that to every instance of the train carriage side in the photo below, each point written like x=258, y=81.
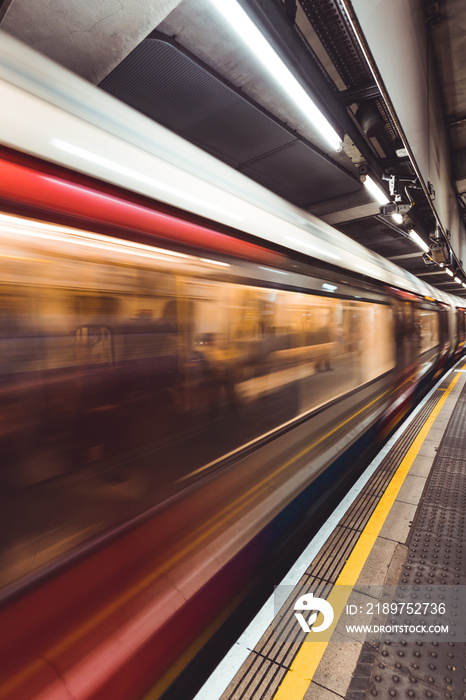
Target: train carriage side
x=159, y=367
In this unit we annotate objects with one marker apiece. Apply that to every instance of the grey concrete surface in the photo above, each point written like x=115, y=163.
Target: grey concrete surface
x=86, y=37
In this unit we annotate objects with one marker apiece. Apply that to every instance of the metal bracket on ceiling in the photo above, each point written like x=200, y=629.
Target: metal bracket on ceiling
x=430, y=189
x=359, y=94
x=462, y=205
x=428, y=262
x=395, y=183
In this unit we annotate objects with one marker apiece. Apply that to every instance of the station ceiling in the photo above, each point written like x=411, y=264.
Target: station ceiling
x=181, y=64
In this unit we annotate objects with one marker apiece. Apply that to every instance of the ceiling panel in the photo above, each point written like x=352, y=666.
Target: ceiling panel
x=301, y=175
x=171, y=87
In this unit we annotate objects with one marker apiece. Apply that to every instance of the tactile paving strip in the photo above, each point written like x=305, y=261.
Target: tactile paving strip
x=435, y=556
x=410, y=670
x=267, y=664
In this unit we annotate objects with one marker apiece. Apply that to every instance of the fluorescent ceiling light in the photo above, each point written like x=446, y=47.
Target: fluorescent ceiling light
x=449, y=272
x=419, y=242
x=397, y=218
x=375, y=190
x=457, y=279
x=258, y=44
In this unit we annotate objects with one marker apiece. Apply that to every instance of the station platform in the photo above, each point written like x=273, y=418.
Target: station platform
x=389, y=558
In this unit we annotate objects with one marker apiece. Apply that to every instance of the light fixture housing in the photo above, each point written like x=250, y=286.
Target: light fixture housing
x=418, y=241
x=376, y=191
x=239, y=20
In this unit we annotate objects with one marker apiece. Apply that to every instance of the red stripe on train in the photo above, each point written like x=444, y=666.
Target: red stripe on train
x=26, y=186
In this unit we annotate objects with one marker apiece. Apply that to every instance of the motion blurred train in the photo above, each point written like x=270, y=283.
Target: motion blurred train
x=184, y=358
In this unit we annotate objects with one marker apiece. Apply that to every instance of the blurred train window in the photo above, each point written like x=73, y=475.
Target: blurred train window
x=417, y=330
x=147, y=335
x=149, y=317
x=95, y=306
x=461, y=320
x=94, y=345
x=427, y=329
x=308, y=336
x=93, y=336
x=20, y=343
x=146, y=373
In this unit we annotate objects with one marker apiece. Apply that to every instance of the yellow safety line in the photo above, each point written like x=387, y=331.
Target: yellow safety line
x=296, y=682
